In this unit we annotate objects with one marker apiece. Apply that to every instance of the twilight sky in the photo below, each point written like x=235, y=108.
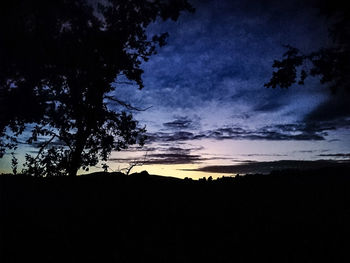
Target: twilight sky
x=209, y=103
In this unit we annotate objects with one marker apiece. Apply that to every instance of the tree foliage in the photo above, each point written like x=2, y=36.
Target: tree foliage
x=331, y=63
x=57, y=62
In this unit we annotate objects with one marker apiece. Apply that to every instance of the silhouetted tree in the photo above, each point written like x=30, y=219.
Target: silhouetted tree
x=57, y=62
x=331, y=63
x=14, y=163
x=133, y=164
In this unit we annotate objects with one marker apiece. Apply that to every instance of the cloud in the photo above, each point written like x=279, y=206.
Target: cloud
x=174, y=149
x=181, y=123
x=164, y=158
x=268, y=106
x=170, y=137
x=168, y=155
x=179, y=149
x=277, y=132
x=173, y=158
x=335, y=109
x=266, y=167
x=222, y=48
x=262, y=154
x=224, y=53
x=342, y=155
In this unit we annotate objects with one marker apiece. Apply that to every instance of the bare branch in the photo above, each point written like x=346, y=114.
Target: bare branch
x=125, y=104
x=62, y=139
x=135, y=163
x=45, y=145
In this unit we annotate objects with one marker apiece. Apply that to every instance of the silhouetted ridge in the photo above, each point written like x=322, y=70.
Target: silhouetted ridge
x=293, y=216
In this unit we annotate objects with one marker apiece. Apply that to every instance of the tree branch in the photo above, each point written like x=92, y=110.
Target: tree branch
x=44, y=145
x=135, y=163
x=61, y=138
x=125, y=104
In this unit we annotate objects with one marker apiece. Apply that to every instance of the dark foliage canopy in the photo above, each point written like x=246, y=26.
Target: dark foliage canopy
x=57, y=62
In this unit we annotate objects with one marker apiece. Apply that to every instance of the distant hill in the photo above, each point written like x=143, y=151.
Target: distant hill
x=286, y=216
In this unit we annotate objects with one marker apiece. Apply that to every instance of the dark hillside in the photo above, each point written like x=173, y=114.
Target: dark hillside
x=287, y=216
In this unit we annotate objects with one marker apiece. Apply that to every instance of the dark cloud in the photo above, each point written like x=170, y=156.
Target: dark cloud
x=173, y=158
x=181, y=123
x=170, y=137
x=275, y=133
x=164, y=158
x=141, y=148
x=268, y=106
x=168, y=148
x=178, y=149
x=342, y=155
x=335, y=109
x=262, y=154
x=223, y=54
x=278, y=132
x=334, y=113
x=224, y=48
x=168, y=155
x=266, y=167
x=183, y=150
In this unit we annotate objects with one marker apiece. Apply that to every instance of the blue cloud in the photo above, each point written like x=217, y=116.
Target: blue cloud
x=222, y=56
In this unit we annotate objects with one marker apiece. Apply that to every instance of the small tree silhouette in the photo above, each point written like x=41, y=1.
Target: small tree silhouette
x=57, y=62
x=133, y=164
x=14, y=163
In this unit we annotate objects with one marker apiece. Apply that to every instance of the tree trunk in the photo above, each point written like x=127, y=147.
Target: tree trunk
x=75, y=162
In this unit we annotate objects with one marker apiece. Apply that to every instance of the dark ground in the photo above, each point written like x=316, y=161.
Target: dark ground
x=289, y=216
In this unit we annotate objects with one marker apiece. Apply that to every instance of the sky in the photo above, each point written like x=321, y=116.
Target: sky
x=209, y=106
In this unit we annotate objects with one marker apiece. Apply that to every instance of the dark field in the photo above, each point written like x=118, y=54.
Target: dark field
x=287, y=216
